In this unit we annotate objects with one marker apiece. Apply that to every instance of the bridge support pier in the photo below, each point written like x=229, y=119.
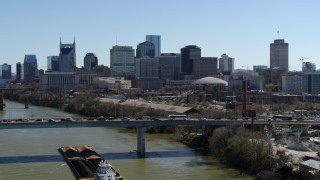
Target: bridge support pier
x=141, y=147
x=1, y=100
x=242, y=125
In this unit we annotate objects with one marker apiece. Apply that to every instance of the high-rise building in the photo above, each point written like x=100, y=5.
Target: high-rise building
x=226, y=64
x=53, y=63
x=145, y=49
x=311, y=83
x=90, y=61
x=308, y=67
x=19, y=72
x=279, y=55
x=205, y=66
x=5, y=71
x=67, y=57
x=156, y=40
x=122, y=61
x=30, y=67
x=147, y=68
x=187, y=55
x=169, y=66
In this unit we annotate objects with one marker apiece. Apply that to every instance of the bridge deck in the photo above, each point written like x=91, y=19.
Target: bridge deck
x=14, y=124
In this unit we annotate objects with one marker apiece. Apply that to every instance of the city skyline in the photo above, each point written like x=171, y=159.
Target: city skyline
x=243, y=30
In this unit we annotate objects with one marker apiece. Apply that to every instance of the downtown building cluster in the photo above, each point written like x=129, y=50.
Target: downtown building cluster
x=147, y=68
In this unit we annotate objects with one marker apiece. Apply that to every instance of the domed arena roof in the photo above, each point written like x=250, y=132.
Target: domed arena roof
x=209, y=81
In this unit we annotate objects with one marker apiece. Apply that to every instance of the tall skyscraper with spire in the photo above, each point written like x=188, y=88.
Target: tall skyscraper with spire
x=67, y=57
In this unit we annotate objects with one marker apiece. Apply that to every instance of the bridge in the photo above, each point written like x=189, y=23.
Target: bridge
x=139, y=124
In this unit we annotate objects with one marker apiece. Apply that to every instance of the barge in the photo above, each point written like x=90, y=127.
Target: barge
x=87, y=164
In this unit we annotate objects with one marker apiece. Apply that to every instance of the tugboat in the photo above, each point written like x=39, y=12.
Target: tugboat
x=105, y=172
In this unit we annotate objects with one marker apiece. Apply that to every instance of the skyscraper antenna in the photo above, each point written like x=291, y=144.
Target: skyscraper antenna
x=116, y=40
x=278, y=34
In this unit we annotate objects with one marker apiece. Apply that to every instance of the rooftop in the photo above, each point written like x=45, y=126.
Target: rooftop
x=209, y=81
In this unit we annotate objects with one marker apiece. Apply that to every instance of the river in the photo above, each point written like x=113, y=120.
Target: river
x=33, y=154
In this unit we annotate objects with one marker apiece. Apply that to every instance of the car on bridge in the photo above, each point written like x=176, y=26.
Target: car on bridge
x=69, y=119
x=51, y=120
x=39, y=119
x=125, y=119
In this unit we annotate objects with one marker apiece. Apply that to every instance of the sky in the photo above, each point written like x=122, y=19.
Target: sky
x=242, y=29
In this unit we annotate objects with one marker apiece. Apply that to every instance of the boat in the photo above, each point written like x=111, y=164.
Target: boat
x=105, y=172
x=87, y=164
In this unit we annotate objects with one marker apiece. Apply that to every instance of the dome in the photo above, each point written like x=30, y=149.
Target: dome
x=209, y=81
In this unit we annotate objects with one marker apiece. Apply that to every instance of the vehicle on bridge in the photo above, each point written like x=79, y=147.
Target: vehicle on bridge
x=178, y=117
x=282, y=117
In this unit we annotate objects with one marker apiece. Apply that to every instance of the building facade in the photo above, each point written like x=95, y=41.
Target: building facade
x=205, y=66
x=122, y=62
x=292, y=84
x=67, y=57
x=156, y=40
x=53, y=63
x=65, y=81
x=311, y=83
x=254, y=81
x=19, y=72
x=30, y=67
x=188, y=53
x=112, y=83
x=147, y=68
x=226, y=64
x=279, y=55
x=259, y=68
x=145, y=49
x=6, y=71
x=90, y=61
x=169, y=64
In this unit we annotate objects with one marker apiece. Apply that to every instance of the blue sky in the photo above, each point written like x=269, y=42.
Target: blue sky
x=242, y=29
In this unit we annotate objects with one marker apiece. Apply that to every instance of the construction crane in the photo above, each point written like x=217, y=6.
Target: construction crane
x=247, y=66
x=302, y=59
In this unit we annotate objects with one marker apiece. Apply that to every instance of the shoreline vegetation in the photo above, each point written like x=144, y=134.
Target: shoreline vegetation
x=236, y=147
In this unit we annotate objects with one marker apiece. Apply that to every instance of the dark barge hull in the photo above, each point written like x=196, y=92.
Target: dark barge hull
x=83, y=161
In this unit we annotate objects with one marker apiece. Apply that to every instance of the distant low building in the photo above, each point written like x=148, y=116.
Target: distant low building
x=292, y=84
x=259, y=68
x=63, y=81
x=112, y=83
x=254, y=81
